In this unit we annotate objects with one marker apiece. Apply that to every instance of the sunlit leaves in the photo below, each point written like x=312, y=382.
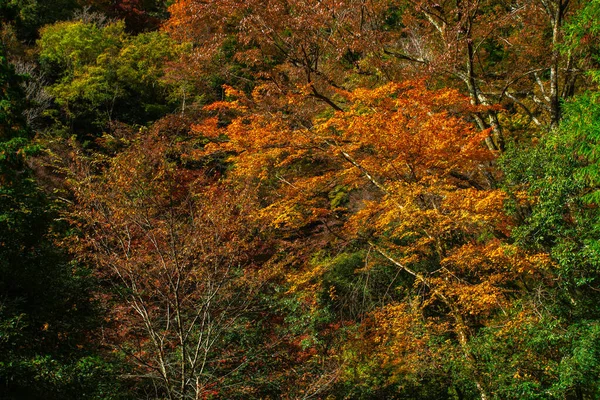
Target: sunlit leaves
x=100, y=70
x=418, y=197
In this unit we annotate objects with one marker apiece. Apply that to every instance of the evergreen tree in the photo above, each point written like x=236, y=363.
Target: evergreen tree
x=46, y=316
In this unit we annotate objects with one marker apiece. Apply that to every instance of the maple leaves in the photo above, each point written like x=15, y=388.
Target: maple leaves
x=418, y=195
x=402, y=139
x=308, y=48
x=497, y=52
x=401, y=178
x=372, y=199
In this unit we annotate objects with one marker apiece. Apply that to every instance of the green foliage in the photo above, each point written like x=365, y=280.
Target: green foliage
x=545, y=172
x=29, y=16
x=102, y=74
x=582, y=126
x=73, y=45
x=540, y=358
x=579, y=370
x=555, y=356
x=338, y=197
x=582, y=35
x=46, y=314
x=12, y=101
x=353, y=284
x=560, y=176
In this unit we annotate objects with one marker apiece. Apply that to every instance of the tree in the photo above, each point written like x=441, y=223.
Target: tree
x=28, y=16
x=101, y=74
x=47, y=320
x=178, y=250
x=307, y=48
x=497, y=52
x=139, y=15
x=419, y=199
x=554, y=187
x=502, y=53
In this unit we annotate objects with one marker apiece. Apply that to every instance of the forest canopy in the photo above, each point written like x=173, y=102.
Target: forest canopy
x=327, y=199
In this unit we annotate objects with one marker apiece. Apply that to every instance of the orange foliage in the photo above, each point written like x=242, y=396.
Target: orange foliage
x=420, y=195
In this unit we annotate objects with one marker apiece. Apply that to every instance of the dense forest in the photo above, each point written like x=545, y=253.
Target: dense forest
x=300, y=199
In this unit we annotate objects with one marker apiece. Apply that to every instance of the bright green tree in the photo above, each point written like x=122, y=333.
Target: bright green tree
x=101, y=74
x=555, y=199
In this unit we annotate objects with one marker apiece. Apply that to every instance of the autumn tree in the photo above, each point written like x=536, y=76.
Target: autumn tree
x=306, y=48
x=419, y=198
x=497, y=52
x=302, y=225
x=179, y=251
